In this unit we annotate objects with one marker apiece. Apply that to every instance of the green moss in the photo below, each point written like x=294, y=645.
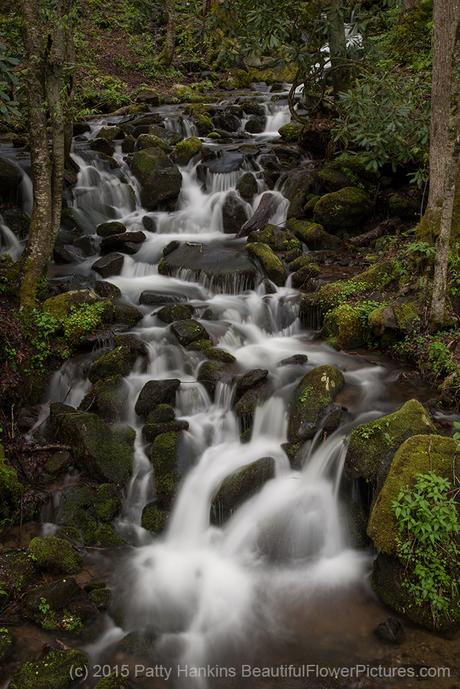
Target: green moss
x=112, y=682
x=210, y=374
x=186, y=149
x=53, y=554
x=60, y=306
x=372, y=445
x=107, y=502
x=188, y=331
x=312, y=234
x=240, y=486
x=152, y=141
x=154, y=519
x=100, y=597
x=53, y=671
x=105, y=536
x=216, y=354
x=344, y=327
x=163, y=455
x=313, y=395
x=175, y=312
x=118, y=361
x=291, y=132
x=419, y=454
x=333, y=294
x=10, y=492
x=343, y=210
x=107, y=398
x=272, y=265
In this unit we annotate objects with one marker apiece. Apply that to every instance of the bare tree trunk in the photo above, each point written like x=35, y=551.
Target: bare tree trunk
x=337, y=45
x=445, y=16
x=169, y=47
x=47, y=47
x=450, y=213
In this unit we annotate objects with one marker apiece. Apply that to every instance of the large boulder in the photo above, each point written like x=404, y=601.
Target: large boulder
x=234, y=213
x=107, y=398
x=154, y=519
x=105, y=453
x=344, y=327
x=312, y=234
x=247, y=186
x=188, y=148
x=175, y=312
x=61, y=306
x=126, y=242
x=372, y=445
x=271, y=264
x=419, y=454
x=112, y=227
x=156, y=392
x=118, y=362
x=240, y=486
x=345, y=209
x=55, y=555
x=313, y=398
x=159, y=178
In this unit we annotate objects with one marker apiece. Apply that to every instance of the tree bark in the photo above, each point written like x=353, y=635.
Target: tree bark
x=169, y=47
x=449, y=222
x=337, y=45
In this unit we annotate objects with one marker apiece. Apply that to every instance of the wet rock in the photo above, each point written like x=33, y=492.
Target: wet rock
x=188, y=148
x=60, y=306
x=102, y=146
x=119, y=361
x=60, y=605
x=313, y=395
x=108, y=398
x=10, y=177
x=153, y=428
x=372, y=445
x=313, y=235
x=107, y=229
x=66, y=253
x=80, y=128
x=247, y=186
x=271, y=265
x=51, y=554
x=292, y=132
x=301, y=278
x=264, y=211
x=391, y=631
x=151, y=298
x=189, y=331
x=109, y=265
x=392, y=321
x=227, y=121
x=343, y=210
x=250, y=380
x=156, y=392
x=17, y=221
x=294, y=360
x=175, y=312
x=149, y=223
x=248, y=402
x=105, y=453
x=58, y=463
x=87, y=245
x=234, y=213
x=159, y=178
x=239, y=487
x=406, y=206
x=256, y=124
x=128, y=145
x=252, y=107
x=164, y=456
x=280, y=240
x=107, y=502
x=126, y=314
x=126, y=243
x=210, y=374
x=226, y=267
x=154, y=519
x=344, y=328
x=148, y=140
x=111, y=133
x=106, y=290
x=296, y=188
x=53, y=671
x=17, y=571
x=418, y=454
x=101, y=597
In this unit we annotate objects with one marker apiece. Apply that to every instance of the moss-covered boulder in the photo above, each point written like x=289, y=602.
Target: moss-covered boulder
x=188, y=331
x=105, y=453
x=60, y=306
x=107, y=502
x=393, y=320
x=313, y=396
x=112, y=227
x=291, y=132
x=55, y=670
x=312, y=234
x=149, y=140
x=107, y=398
x=17, y=571
x=51, y=554
x=419, y=454
x=240, y=486
x=306, y=277
x=154, y=519
x=10, y=492
x=247, y=186
x=271, y=264
x=186, y=149
x=210, y=374
x=345, y=209
x=175, y=312
x=118, y=362
x=164, y=455
x=344, y=327
x=6, y=643
x=372, y=445
x=156, y=392
x=59, y=605
x=280, y=240
x=159, y=178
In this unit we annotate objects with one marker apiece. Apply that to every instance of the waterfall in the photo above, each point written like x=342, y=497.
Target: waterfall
x=9, y=243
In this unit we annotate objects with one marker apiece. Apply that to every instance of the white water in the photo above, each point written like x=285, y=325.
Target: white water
x=9, y=243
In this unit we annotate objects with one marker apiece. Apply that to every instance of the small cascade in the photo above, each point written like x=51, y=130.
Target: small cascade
x=9, y=243
x=277, y=116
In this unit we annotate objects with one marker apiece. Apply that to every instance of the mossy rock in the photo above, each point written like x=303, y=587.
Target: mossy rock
x=54, y=671
x=104, y=453
x=306, y=276
x=175, y=312
x=343, y=210
x=17, y=571
x=159, y=178
x=240, y=486
x=110, y=133
x=314, y=394
x=51, y=554
x=6, y=643
x=216, y=354
x=344, y=327
x=291, y=132
x=395, y=319
x=186, y=149
x=372, y=445
x=332, y=294
x=107, y=398
x=154, y=519
x=60, y=306
x=419, y=454
x=405, y=206
x=162, y=414
x=247, y=186
x=332, y=180
x=278, y=239
x=112, y=682
x=107, y=503
x=156, y=392
x=101, y=597
x=153, y=428
x=59, y=605
x=105, y=536
x=312, y=234
x=10, y=492
x=164, y=455
x=271, y=264
x=126, y=314
x=113, y=227
x=210, y=374
x=118, y=362
x=152, y=141
x=188, y=331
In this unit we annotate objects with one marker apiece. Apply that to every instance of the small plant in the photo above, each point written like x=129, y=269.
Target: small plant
x=83, y=319
x=457, y=434
x=426, y=545
x=41, y=327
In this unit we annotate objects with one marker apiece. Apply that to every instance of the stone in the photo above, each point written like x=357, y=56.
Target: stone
x=61, y=306
x=109, y=265
x=267, y=207
x=247, y=186
x=164, y=455
x=107, y=290
x=102, y=146
x=159, y=178
x=391, y=631
x=126, y=243
x=60, y=605
x=149, y=140
x=150, y=298
x=156, y=392
x=234, y=213
x=53, y=671
x=51, y=554
x=154, y=519
x=271, y=264
x=280, y=240
x=175, y=312
x=343, y=210
x=344, y=327
x=210, y=374
x=188, y=331
x=227, y=121
x=256, y=124
x=108, y=398
x=313, y=235
x=314, y=394
x=250, y=380
x=187, y=149
x=107, y=229
x=118, y=362
x=10, y=492
x=239, y=487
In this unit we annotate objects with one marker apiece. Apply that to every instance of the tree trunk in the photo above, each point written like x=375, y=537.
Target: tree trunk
x=445, y=16
x=170, y=38
x=337, y=45
x=47, y=47
x=449, y=223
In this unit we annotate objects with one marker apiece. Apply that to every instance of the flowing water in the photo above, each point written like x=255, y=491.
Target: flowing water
x=201, y=591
